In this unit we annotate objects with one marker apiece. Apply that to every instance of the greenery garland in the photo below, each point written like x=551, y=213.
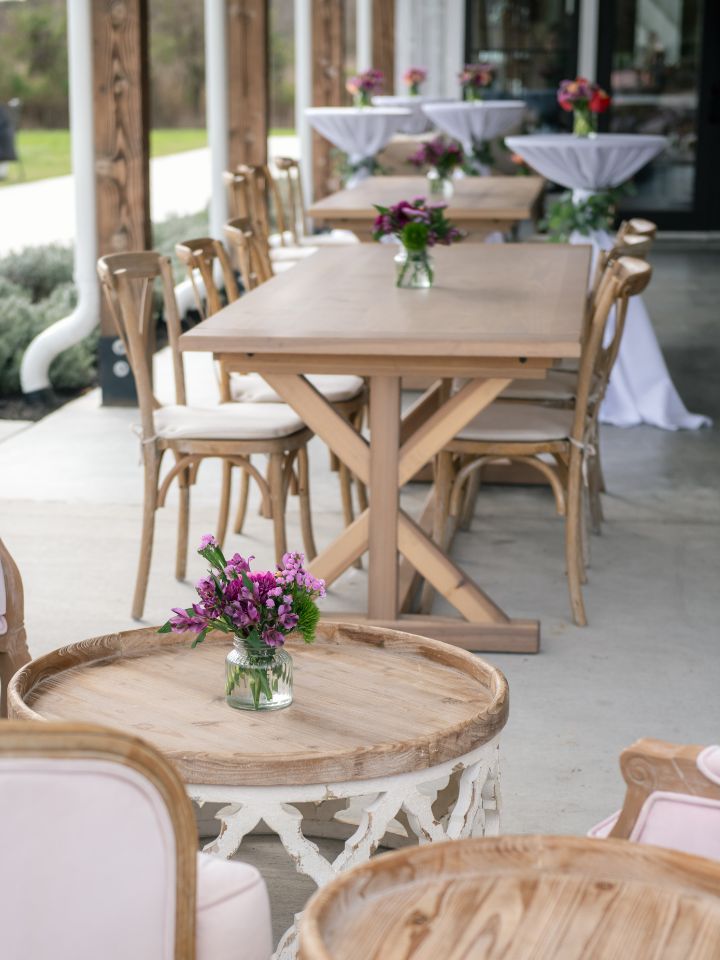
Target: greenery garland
x=596, y=212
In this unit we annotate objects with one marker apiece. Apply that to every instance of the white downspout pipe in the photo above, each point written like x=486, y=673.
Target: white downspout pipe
x=216, y=108
x=82, y=321
x=303, y=90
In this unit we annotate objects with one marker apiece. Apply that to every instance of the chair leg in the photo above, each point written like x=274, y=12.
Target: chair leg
x=183, y=525
x=276, y=482
x=595, y=486
x=224, y=510
x=345, y=480
x=305, y=510
x=573, y=534
x=10, y=663
x=242, y=502
x=152, y=471
x=471, y=494
x=360, y=487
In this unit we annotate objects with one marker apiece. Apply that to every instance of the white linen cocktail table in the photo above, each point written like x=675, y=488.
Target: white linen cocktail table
x=640, y=389
x=381, y=723
x=418, y=121
x=360, y=132
x=473, y=122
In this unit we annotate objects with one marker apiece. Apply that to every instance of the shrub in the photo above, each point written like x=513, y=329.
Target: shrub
x=38, y=270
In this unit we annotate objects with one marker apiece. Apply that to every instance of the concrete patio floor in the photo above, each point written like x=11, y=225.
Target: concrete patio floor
x=648, y=664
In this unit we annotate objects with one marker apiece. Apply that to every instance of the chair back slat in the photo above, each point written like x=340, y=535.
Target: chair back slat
x=296, y=201
x=253, y=257
x=129, y=294
x=199, y=256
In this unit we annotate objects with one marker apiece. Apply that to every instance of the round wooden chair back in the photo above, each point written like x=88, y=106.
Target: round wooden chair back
x=200, y=256
x=13, y=639
x=128, y=282
x=252, y=253
x=136, y=881
x=624, y=278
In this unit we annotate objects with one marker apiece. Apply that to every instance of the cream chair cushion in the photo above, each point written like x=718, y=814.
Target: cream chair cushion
x=233, y=911
x=333, y=238
x=518, y=423
x=559, y=386
x=227, y=421
x=251, y=388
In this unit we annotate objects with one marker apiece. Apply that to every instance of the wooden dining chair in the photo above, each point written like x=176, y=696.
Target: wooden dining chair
x=295, y=216
x=346, y=392
x=231, y=432
x=518, y=897
x=14, y=651
x=672, y=798
x=557, y=442
x=99, y=856
x=250, y=192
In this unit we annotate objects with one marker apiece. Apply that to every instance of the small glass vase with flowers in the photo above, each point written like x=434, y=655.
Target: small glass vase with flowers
x=259, y=610
x=474, y=79
x=364, y=86
x=443, y=157
x=413, y=78
x=585, y=100
x=417, y=226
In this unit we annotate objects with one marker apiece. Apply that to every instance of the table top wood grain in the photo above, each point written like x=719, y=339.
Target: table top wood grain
x=474, y=198
x=368, y=703
x=512, y=898
x=489, y=300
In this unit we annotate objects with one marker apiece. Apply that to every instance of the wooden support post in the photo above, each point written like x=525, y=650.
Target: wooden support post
x=121, y=121
x=248, y=81
x=328, y=39
x=383, y=41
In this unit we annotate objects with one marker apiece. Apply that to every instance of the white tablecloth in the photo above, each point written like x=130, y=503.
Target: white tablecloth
x=474, y=121
x=640, y=389
x=587, y=164
x=360, y=132
x=417, y=122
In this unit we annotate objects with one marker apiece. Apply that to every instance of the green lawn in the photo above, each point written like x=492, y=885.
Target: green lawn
x=46, y=153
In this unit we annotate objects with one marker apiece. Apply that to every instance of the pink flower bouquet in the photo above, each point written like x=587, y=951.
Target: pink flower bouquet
x=364, y=85
x=475, y=78
x=413, y=77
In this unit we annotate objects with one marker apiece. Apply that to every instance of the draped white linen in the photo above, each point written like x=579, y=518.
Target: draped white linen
x=473, y=121
x=640, y=389
x=360, y=132
x=418, y=122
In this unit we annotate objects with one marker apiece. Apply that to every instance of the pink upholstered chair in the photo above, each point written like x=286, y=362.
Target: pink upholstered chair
x=672, y=799
x=99, y=856
x=13, y=643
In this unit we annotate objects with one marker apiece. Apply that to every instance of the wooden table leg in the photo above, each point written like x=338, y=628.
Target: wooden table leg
x=384, y=497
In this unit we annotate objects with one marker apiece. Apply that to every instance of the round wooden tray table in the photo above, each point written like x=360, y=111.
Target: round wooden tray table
x=512, y=898
x=386, y=725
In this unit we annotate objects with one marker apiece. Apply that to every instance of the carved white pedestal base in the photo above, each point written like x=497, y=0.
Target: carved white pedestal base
x=404, y=807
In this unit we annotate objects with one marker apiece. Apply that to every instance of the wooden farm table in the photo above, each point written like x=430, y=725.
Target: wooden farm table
x=479, y=205
x=497, y=312
x=515, y=898
x=381, y=723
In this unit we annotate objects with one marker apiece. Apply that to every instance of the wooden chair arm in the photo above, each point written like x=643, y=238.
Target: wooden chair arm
x=654, y=765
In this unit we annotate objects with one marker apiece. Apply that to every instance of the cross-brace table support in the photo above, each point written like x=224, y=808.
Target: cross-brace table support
x=393, y=455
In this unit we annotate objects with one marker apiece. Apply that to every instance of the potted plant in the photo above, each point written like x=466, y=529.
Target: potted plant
x=364, y=85
x=585, y=100
x=475, y=78
x=443, y=157
x=417, y=226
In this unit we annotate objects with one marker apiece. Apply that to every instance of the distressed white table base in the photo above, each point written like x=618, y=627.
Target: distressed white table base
x=406, y=803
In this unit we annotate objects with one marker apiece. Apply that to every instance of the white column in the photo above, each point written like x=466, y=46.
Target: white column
x=588, y=39
x=303, y=90
x=216, y=99
x=363, y=34
x=84, y=318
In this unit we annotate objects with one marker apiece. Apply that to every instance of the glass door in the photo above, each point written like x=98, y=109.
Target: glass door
x=532, y=44
x=659, y=59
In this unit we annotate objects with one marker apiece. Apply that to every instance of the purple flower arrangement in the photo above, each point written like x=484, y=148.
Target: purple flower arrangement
x=440, y=154
x=475, y=78
x=260, y=608
x=413, y=77
x=422, y=224
x=364, y=85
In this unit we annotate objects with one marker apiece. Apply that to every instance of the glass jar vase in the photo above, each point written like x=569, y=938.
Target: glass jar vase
x=258, y=679
x=439, y=185
x=583, y=122
x=414, y=269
